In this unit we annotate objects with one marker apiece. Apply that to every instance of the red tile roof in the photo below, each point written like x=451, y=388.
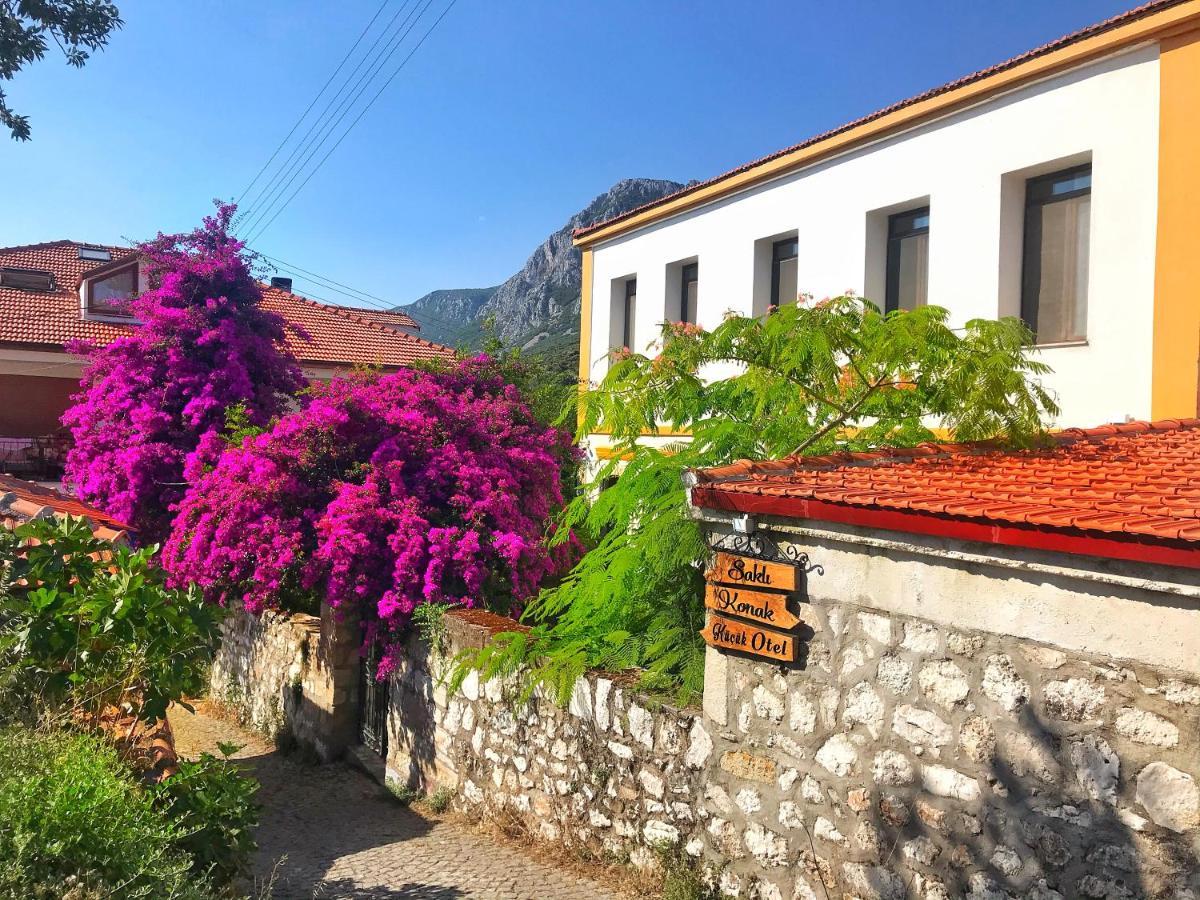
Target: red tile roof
x=22, y=500
x=1136, y=482
x=1138, y=12
x=337, y=335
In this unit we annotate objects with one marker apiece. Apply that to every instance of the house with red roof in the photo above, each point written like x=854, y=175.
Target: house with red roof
x=55, y=292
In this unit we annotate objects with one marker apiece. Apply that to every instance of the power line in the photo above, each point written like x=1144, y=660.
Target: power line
x=321, y=118
x=345, y=99
x=308, y=109
x=369, y=299
x=358, y=118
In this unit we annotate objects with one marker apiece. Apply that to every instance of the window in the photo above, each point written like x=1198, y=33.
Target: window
x=627, y=313
x=109, y=295
x=1054, y=267
x=99, y=254
x=907, y=284
x=27, y=279
x=783, y=271
x=688, y=292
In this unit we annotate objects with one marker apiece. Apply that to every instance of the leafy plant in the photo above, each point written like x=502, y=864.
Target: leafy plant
x=439, y=801
x=213, y=808
x=810, y=378
x=151, y=413
x=77, y=823
x=402, y=792
x=88, y=624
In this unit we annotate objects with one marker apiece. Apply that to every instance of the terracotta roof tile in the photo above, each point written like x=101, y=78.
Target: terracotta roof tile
x=1138, y=12
x=22, y=500
x=336, y=335
x=1139, y=480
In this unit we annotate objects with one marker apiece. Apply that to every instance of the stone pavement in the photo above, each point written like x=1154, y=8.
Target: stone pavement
x=334, y=833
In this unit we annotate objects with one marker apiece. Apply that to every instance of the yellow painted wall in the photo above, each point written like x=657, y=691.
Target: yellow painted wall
x=1177, y=263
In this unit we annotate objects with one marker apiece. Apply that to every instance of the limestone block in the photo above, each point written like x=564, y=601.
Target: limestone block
x=1146, y=728
x=1169, y=796
x=1073, y=700
x=1002, y=683
x=944, y=782
x=920, y=726
x=838, y=754
x=944, y=683
x=864, y=707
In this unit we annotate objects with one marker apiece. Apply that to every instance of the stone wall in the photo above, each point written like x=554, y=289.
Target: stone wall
x=900, y=759
x=904, y=756
x=291, y=676
x=610, y=774
x=905, y=759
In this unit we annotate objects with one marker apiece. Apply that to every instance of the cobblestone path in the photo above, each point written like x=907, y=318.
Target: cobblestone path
x=340, y=835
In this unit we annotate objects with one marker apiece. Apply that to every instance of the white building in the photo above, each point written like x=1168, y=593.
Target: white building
x=1061, y=186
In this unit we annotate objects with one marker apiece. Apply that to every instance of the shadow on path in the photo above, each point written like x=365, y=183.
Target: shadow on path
x=330, y=832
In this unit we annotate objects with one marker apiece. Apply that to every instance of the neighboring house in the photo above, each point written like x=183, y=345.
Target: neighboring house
x=1060, y=186
x=59, y=291
x=21, y=501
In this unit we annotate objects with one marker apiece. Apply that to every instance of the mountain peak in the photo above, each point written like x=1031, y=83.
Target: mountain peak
x=542, y=299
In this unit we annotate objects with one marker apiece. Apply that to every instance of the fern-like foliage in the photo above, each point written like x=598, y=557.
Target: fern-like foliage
x=809, y=378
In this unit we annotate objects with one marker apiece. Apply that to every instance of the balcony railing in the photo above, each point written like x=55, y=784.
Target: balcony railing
x=38, y=458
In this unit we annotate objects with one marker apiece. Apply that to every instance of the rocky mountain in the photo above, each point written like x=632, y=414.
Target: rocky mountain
x=538, y=306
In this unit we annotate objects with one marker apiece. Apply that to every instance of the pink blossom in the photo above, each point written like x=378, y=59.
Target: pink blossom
x=382, y=494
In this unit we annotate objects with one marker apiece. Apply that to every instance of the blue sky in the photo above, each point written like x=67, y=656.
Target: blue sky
x=511, y=117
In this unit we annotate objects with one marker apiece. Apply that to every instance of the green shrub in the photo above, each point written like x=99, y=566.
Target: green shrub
x=85, y=624
x=439, y=801
x=76, y=822
x=213, y=810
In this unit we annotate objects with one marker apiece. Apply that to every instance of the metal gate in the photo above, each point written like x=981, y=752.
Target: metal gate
x=373, y=703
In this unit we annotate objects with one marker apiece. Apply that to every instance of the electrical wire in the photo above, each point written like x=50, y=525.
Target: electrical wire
x=319, y=123
x=259, y=233
x=313, y=144
x=313, y=103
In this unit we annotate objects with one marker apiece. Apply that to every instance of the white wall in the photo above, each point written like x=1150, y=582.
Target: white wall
x=1108, y=111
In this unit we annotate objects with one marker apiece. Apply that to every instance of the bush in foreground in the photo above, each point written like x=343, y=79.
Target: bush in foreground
x=76, y=824
x=88, y=625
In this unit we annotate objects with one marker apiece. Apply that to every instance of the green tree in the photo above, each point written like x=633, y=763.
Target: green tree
x=27, y=26
x=86, y=624
x=807, y=379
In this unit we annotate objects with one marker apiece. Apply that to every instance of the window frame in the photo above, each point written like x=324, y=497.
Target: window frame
x=891, y=275
x=774, y=299
x=91, y=308
x=46, y=282
x=1030, y=303
x=692, y=269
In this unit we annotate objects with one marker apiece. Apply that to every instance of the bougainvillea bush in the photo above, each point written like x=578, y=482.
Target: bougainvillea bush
x=153, y=403
x=382, y=493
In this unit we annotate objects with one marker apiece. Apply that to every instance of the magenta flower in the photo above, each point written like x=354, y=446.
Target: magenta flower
x=382, y=494
x=152, y=404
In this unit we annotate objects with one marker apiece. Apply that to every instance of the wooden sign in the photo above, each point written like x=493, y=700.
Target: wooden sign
x=761, y=606
x=728, y=634
x=744, y=571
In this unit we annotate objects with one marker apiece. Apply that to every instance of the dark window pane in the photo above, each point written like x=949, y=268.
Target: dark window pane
x=907, y=260
x=689, y=293
x=630, y=310
x=1054, y=280
x=783, y=272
